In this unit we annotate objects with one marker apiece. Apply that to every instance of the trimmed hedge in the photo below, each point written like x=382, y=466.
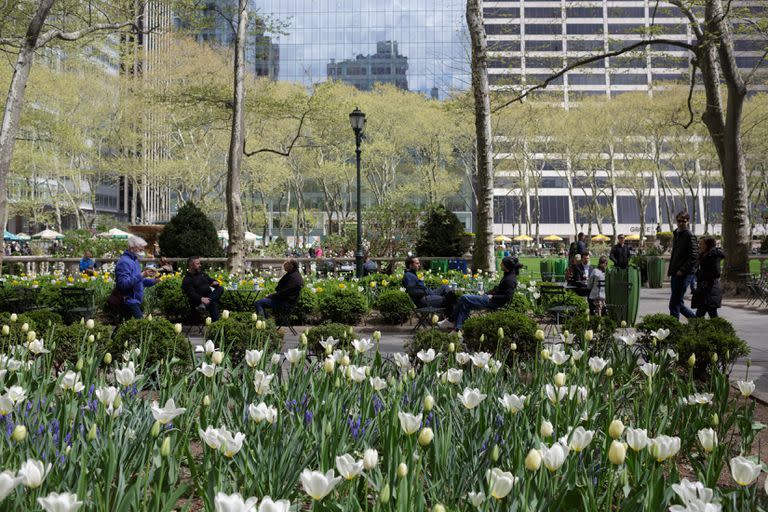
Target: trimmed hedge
x=69, y=338
x=394, y=306
x=432, y=338
x=343, y=306
x=342, y=332
x=238, y=333
x=156, y=338
x=518, y=328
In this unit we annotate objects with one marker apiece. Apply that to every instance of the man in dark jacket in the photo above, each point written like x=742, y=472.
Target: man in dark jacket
x=442, y=297
x=578, y=273
x=130, y=280
x=682, y=265
x=708, y=296
x=620, y=253
x=202, y=291
x=496, y=298
x=287, y=291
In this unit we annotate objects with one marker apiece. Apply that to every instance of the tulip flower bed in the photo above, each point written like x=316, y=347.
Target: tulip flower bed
x=576, y=428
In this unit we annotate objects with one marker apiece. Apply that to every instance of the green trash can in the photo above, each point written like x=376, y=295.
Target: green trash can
x=622, y=294
x=560, y=265
x=655, y=271
x=547, y=268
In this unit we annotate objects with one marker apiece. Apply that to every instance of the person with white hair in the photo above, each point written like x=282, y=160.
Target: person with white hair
x=130, y=279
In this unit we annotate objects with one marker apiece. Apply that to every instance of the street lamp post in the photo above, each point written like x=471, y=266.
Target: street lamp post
x=357, y=120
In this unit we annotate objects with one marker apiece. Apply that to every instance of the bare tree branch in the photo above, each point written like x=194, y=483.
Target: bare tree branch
x=77, y=34
x=757, y=66
x=588, y=60
x=695, y=25
x=286, y=152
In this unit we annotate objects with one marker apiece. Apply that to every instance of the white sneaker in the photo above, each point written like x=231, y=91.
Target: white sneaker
x=445, y=324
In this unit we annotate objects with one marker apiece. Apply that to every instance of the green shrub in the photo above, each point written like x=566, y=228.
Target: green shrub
x=238, y=333
x=395, y=306
x=432, y=338
x=306, y=308
x=518, y=328
x=69, y=338
x=44, y=320
x=570, y=299
x=190, y=233
x=156, y=338
x=519, y=304
x=603, y=329
x=172, y=301
x=343, y=306
x=440, y=234
x=655, y=322
x=344, y=333
x=707, y=337
x=50, y=297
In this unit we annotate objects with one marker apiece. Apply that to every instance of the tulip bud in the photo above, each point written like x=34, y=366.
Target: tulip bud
x=177, y=328
x=546, y=429
x=560, y=379
x=495, y=453
x=411, y=374
x=19, y=433
x=500, y=332
x=344, y=360
x=513, y=347
x=254, y=317
x=482, y=338
x=303, y=339
x=425, y=436
x=149, y=317
x=539, y=335
x=14, y=317
x=89, y=323
x=545, y=354
x=31, y=335
x=384, y=495
x=92, y=433
x=715, y=420
x=435, y=319
x=714, y=357
x=155, y=430
x=615, y=429
x=609, y=372
x=370, y=459
x=165, y=448
x=82, y=321
x=617, y=452
x=444, y=377
x=451, y=348
x=6, y=330
x=402, y=470
x=217, y=357
x=91, y=338
x=337, y=382
x=623, y=324
x=107, y=358
x=429, y=403
x=225, y=314
x=692, y=360
x=376, y=335
x=79, y=364
x=438, y=508
x=24, y=327
x=207, y=320
x=533, y=460
x=589, y=335
x=329, y=365
x=206, y=401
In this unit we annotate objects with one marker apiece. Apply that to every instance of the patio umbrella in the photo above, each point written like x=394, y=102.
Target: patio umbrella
x=223, y=234
x=10, y=237
x=632, y=237
x=553, y=238
x=23, y=236
x=502, y=238
x=523, y=238
x=251, y=237
x=600, y=238
x=47, y=234
x=114, y=233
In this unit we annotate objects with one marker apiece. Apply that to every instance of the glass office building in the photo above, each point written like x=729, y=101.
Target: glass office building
x=430, y=34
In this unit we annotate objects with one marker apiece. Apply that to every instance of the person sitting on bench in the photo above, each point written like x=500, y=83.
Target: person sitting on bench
x=287, y=291
x=442, y=297
x=202, y=291
x=496, y=298
x=578, y=274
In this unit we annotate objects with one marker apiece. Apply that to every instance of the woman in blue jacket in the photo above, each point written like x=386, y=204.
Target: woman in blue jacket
x=130, y=279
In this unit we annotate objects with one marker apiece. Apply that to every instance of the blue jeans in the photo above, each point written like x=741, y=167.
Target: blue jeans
x=467, y=303
x=132, y=311
x=680, y=285
x=266, y=302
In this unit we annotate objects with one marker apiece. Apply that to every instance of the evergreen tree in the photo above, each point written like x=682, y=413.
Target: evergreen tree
x=440, y=234
x=190, y=233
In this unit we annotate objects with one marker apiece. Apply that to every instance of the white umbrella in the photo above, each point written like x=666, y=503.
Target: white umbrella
x=48, y=234
x=223, y=234
x=23, y=236
x=114, y=233
x=251, y=237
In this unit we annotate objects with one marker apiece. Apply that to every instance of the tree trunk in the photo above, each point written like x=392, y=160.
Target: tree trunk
x=236, y=247
x=14, y=104
x=483, y=254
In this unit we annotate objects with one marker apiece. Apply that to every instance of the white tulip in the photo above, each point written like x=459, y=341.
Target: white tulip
x=209, y=370
x=267, y=505
x=596, y=364
x=127, y=375
x=217, y=357
x=580, y=438
x=649, y=369
x=71, y=381
x=559, y=379
x=476, y=498
x=471, y=397
x=512, y=403
x=166, y=414
x=708, y=439
x=408, y=422
x=252, y=357
x=177, y=328
x=328, y=344
x=16, y=394
x=225, y=314
x=262, y=412
x=33, y=472
x=500, y=482
x=378, y=383
x=318, y=485
x=479, y=359
x=454, y=375
x=210, y=436
x=402, y=361
x=357, y=373
x=89, y=324
x=233, y=503
x=37, y=347
x=64, y=502
x=553, y=457
x=348, y=467
x=6, y=405
x=746, y=387
x=694, y=493
x=637, y=438
x=576, y=354
x=294, y=356
x=230, y=444
x=554, y=394
x=427, y=356
x=559, y=357
x=744, y=471
x=463, y=357
x=370, y=459
x=107, y=395
x=664, y=447
x=617, y=452
x=546, y=429
x=362, y=346
x=629, y=339
x=262, y=382
x=329, y=365
x=660, y=334
x=8, y=482
x=699, y=399
x=275, y=357
x=615, y=429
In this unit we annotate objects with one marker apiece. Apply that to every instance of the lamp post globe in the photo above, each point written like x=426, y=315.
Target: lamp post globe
x=357, y=121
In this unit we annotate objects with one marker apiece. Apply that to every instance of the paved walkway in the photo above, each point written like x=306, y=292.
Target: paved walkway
x=750, y=324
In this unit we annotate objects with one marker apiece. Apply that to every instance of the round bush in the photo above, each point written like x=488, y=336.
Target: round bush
x=395, y=306
x=518, y=328
x=343, y=306
x=172, y=301
x=156, y=338
x=306, y=308
x=655, y=322
x=238, y=333
x=70, y=338
x=344, y=333
x=519, y=304
x=579, y=303
x=708, y=337
x=44, y=320
x=432, y=338
x=190, y=233
x=602, y=327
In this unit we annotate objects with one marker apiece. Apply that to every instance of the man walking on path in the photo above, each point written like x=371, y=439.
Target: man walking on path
x=682, y=266
x=620, y=253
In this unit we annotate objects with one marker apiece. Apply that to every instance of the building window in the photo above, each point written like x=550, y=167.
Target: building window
x=503, y=29
x=626, y=79
x=501, y=12
x=626, y=12
x=554, y=210
x=578, y=79
x=543, y=46
x=584, y=12
x=585, y=45
x=503, y=46
x=551, y=29
x=508, y=209
x=584, y=28
x=504, y=62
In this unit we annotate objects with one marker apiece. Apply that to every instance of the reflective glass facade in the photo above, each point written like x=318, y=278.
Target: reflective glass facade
x=431, y=34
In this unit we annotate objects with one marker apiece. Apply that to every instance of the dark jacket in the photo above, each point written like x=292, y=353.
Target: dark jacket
x=579, y=273
x=709, y=294
x=503, y=293
x=620, y=256
x=414, y=286
x=196, y=286
x=581, y=247
x=128, y=278
x=685, y=252
x=289, y=287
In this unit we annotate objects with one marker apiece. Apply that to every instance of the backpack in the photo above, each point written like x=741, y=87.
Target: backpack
x=572, y=250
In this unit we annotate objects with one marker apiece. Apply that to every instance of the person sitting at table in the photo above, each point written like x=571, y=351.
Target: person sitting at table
x=496, y=298
x=577, y=274
x=369, y=266
x=165, y=267
x=202, y=291
x=442, y=297
x=287, y=291
x=596, y=287
x=87, y=263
